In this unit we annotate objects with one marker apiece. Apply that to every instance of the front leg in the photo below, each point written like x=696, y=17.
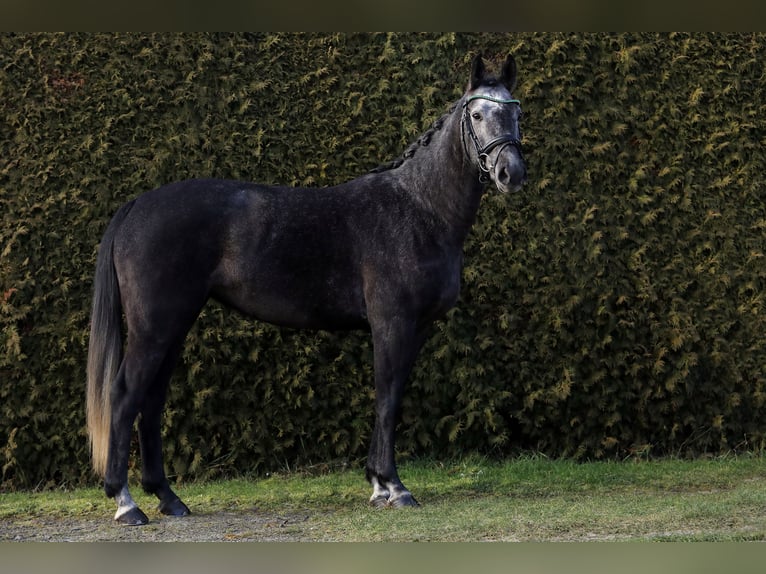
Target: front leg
x=396, y=344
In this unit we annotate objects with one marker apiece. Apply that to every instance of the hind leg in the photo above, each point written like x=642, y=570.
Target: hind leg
x=154, y=480
x=125, y=401
x=135, y=383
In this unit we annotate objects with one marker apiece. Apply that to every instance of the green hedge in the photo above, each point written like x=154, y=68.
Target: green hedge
x=612, y=308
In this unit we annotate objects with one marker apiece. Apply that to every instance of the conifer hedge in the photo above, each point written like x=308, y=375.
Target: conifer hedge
x=613, y=308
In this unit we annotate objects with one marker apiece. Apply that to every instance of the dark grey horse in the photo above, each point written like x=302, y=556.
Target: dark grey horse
x=382, y=252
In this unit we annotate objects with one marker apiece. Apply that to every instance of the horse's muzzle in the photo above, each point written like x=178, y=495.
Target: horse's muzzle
x=510, y=170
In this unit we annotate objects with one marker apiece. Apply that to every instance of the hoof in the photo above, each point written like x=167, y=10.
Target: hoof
x=174, y=508
x=133, y=517
x=379, y=501
x=404, y=501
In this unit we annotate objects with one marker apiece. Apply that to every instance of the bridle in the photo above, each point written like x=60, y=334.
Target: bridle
x=482, y=152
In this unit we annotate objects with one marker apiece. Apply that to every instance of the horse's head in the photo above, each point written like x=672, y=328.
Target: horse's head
x=490, y=126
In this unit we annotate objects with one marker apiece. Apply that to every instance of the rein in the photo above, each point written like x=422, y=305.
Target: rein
x=482, y=152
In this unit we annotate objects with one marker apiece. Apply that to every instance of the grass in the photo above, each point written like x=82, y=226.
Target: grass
x=526, y=499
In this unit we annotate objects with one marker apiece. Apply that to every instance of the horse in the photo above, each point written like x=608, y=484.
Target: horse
x=382, y=252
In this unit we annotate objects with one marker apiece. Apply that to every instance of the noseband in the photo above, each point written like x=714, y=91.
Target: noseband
x=482, y=152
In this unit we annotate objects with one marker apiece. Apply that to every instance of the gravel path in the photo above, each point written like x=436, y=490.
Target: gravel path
x=241, y=526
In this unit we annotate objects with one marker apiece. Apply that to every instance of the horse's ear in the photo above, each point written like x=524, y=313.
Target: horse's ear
x=477, y=72
x=508, y=76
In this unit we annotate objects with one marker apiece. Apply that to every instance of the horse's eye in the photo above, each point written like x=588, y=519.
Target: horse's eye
x=476, y=116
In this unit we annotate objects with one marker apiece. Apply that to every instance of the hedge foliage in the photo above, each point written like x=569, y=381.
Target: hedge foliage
x=614, y=307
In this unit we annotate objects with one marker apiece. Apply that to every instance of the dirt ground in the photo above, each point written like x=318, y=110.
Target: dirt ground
x=241, y=526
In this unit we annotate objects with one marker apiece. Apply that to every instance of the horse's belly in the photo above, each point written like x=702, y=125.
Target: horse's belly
x=298, y=304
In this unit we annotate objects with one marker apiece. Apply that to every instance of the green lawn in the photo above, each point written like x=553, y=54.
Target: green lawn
x=524, y=499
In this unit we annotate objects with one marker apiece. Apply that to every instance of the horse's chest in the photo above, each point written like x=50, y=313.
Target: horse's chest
x=440, y=285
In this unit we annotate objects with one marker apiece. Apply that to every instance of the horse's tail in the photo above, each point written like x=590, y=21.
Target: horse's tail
x=105, y=345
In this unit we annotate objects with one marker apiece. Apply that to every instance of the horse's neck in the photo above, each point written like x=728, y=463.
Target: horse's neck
x=443, y=180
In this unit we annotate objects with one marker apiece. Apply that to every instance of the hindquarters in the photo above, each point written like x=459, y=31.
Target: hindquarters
x=149, y=269
x=161, y=257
